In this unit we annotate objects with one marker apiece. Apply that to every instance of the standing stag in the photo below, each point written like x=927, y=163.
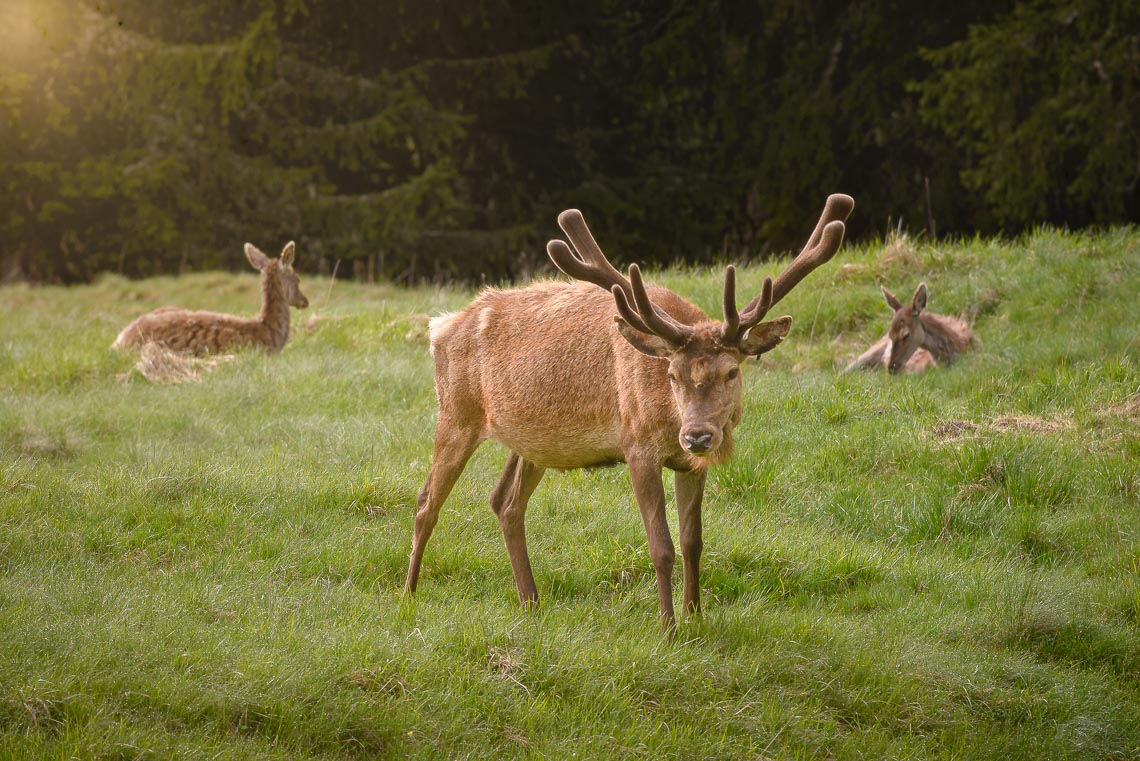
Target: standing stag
x=552, y=374
x=917, y=340
x=199, y=332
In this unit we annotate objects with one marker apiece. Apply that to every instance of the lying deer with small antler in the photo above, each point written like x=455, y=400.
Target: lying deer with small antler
x=917, y=340
x=551, y=373
x=200, y=332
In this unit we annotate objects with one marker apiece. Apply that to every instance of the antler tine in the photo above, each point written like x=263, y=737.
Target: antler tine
x=808, y=260
x=731, y=326
x=659, y=323
x=627, y=312
x=567, y=261
x=756, y=309
x=838, y=207
x=820, y=248
x=591, y=263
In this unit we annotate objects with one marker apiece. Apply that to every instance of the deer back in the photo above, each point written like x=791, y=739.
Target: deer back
x=947, y=337
x=188, y=331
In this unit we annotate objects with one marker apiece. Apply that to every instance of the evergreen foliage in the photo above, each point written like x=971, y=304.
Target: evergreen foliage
x=439, y=139
x=1044, y=104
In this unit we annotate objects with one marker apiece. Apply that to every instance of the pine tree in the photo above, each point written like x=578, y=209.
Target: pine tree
x=1043, y=105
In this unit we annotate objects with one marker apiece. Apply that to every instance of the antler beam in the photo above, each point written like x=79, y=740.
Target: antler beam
x=590, y=264
x=820, y=248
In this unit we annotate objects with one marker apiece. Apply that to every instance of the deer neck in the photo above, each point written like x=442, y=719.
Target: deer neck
x=274, y=314
x=940, y=338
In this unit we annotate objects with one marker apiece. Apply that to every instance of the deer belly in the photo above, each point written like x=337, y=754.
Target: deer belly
x=554, y=446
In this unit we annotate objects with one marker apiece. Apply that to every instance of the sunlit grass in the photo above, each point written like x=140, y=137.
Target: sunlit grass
x=937, y=566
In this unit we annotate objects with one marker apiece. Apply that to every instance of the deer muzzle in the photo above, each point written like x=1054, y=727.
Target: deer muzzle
x=699, y=441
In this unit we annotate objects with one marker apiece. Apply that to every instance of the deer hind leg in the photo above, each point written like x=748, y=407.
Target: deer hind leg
x=454, y=445
x=650, y=494
x=508, y=501
x=919, y=362
x=690, y=494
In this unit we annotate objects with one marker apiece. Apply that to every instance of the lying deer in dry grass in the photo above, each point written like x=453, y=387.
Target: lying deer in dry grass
x=553, y=375
x=198, y=332
x=917, y=340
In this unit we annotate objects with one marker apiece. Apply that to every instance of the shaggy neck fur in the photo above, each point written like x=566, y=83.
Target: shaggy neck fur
x=274, y=308
x=945, y=337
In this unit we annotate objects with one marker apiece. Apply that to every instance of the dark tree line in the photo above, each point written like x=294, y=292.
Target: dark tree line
x=414, y=139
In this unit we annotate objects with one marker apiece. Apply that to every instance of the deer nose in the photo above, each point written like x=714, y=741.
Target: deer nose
x=698, y=444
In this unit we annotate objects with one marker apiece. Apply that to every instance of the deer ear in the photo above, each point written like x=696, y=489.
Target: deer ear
x=287, y=254
x=892, y=300
x=918, y=303
x=765, y=336
x=646, y=343
x=255, y=256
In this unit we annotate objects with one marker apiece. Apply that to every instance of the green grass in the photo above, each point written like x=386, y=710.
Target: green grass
x=213, y=570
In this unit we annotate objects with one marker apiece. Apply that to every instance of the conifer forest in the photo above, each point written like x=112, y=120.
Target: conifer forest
x=434, y=140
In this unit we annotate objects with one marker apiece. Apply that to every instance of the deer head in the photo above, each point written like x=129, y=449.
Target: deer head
x=907, y=332
x=290, y=281
x=702, y=360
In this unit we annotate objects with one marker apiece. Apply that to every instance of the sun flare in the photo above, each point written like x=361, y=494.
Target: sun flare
x=25, y=27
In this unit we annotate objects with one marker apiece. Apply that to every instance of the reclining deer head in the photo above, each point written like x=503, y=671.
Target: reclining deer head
x=290, y=281
x=907, y=332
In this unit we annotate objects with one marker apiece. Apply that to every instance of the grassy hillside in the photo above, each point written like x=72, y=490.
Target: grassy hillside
x=943, y=566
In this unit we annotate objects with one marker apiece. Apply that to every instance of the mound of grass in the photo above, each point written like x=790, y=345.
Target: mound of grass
x=939, y=566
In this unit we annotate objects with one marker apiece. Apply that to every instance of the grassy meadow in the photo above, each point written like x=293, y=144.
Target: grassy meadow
x=939, y=566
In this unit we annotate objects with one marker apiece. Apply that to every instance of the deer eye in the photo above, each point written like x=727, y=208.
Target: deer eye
x=732, y=374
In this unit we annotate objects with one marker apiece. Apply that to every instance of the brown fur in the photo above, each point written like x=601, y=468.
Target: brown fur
x=572, y=350
x=201, y=332
x=917, y=340
x=550, y=372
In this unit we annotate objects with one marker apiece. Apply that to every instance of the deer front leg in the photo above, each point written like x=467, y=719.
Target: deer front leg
x=454, y=445
x=872, y=358
x=508, y=501
x=690, y=494
x=650, y=494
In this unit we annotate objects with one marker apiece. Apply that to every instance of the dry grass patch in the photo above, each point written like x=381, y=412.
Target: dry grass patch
x=1128, y=410
x=849, y=271
x=1027, y=424
x=506, y=662
x=952, y=430
x=159, y=364
x=899, y=253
